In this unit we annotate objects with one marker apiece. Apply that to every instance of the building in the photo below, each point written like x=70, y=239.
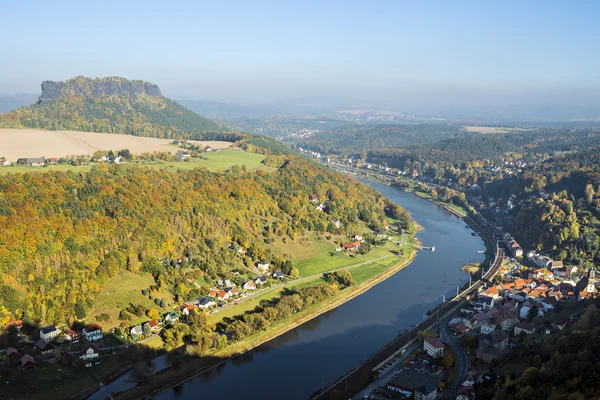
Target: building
x=410, y=381
x=485, y=302
x=206, y=302
x=45, y=347
x=528, y=329
x=262, y=266
x=249, y=285
x=487, y=353
x=136, y=331
x=496, y=339
x=27, y=363
x=89, y=351
x=433, y=347
x=49, y=333
x=261, y=280
x=71, y=335
x=153, y=324
x=351, y=246
x=586, y=287
x=278, y=275
x=92, y=332
x=172, y=317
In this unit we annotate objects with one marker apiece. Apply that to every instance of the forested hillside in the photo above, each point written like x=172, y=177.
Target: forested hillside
x=364, y=138
x=65, y=235
x=112, y=105
x=567, y=222
x=491, y=147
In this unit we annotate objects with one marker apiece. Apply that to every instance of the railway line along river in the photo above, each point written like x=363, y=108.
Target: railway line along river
x=303, y=360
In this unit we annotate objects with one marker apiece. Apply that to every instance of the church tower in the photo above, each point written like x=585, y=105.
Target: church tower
x=591, y=286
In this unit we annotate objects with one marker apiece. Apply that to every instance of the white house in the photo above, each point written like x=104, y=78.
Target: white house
x=250, y=285
x=206, y=302
x=90, y=351
x=49, y=333
x=262, y=266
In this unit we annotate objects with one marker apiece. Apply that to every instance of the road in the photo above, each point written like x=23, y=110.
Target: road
x=384, y=378
x=461, y=358
x=359, y=377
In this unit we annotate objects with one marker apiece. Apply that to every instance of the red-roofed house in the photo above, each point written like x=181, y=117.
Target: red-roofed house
x=433, y=347
x=351, y=246
x=223, y=295
x=153, y=324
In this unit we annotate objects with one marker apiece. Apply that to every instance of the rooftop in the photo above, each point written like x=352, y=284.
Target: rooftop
x=415, y=381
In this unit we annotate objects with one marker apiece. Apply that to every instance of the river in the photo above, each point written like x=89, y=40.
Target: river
x=296, y=364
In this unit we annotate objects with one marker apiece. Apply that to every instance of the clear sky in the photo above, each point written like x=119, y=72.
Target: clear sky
x=402, y=52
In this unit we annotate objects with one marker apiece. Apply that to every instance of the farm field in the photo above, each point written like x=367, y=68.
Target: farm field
x=220, y=160
x=17, y=143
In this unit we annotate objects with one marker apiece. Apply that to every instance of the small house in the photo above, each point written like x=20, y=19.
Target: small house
x=261, y=280
x=278, y=275
x=44, y=347
x=249, y=285
x=12, y=353
x=49, y=333
x=187, y=309
x=136, y=331
x=351, y=246
x=71, y=335
x=89, y=351
x=262, y=266
x=27, y=363
x=153, y=324
x=222, y=295
x=208, y=149
x=206, y=302
x=172, y=317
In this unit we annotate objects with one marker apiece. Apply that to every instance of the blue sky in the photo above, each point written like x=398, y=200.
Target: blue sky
x=401, y=52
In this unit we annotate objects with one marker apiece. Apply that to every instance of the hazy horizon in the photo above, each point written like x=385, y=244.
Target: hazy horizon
x=399, y=54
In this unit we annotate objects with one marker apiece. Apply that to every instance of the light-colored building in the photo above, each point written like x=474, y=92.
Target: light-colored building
x=433, y=347
x=49, y=333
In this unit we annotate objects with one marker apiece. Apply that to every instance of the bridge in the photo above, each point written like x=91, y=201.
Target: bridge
x=360, y=376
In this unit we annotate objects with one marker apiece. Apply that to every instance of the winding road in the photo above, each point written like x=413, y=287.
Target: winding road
x=461, y=358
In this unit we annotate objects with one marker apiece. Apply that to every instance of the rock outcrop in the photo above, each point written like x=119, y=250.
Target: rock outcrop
x=111, y=86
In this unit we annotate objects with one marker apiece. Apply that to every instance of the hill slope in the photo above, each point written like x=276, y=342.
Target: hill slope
x=66, y=235
x=112, y=105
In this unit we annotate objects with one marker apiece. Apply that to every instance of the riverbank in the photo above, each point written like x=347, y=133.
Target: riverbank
x=194, y=367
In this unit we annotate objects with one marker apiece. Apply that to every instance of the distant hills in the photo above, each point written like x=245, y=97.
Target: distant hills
x=9, y=102
x=112, y=105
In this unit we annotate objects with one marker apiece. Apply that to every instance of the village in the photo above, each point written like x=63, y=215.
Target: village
x=26, y=348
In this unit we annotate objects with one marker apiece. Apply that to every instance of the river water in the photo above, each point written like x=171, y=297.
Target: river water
x=296, y=364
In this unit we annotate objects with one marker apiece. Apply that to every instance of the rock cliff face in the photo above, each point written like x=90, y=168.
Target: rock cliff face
x=112, y=86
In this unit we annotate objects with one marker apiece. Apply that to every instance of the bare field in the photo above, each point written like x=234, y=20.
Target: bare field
x=492, y=129
x=17, y=143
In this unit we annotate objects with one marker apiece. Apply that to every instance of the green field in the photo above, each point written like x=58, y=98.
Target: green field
x=220, y=160
x=270, y=294
x=123, y=289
